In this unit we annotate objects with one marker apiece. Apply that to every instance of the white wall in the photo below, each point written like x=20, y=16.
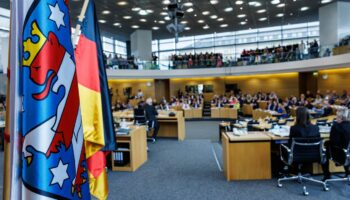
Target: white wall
x=4, y=43
x=141, y=44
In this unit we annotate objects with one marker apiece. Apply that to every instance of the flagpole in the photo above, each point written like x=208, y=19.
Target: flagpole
x=80, y=20
x=7, y=146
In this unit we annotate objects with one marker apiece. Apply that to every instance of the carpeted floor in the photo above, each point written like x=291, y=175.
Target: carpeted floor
x=188, y=170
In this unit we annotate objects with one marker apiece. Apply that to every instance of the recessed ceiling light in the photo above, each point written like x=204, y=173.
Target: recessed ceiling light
x=122, y=3
x=102, y=21
x=136, y=9
x=206, y=27
x=200, y=21
x=205, y=12
x=326, y=1
x=163, y=13
x=241, y=8
x=188, y=4
x=220, y=19
x=242, y=23
x=214, y=2
x=261, y=11
x=167, y=18
x=228, y=9
x=155, y=28
x=304, y=8
x=166, y=2
x=213, y=16
x=135, y=26
x=223, y=25
x=116, y=24
x=275, y=2
x=281, y=5
x=106, y=12
x=183, y=22
x=189, y=10
x=143, y=12
x=254, y=3
x=187, y=28
x=262, y=19
x=161, y=22
x=280, y=15
x=239, y=2
x=241, y=15
x=149, y=11
x=143, y=20
x=127, y=17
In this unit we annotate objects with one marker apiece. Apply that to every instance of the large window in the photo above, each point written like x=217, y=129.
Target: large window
x=231, y=44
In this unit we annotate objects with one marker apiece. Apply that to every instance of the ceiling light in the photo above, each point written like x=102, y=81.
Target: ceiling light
x=261, y=11
x=220, y=19
x=241, y=15
x=242, y=23
x=263, y=19
x=135, y=26
x=200, y=21
x=149, y=11
x=163, y=13
x=167, y=18
x=214, y=2
x=136, y=9
x=188, y=4
x=183, y=22
x=223, y=25
x=205, y=12
x=213, y=16
x=254, y=3
x=166, y=2
x=275, y=2
x=281, y=5
x=143, y=20
x=106, y=12
x=206, y=27
x=143, y=12
x=326, y=1
x=239, y=2
x=280, y=15
x=161, y=22
x=155, y=28
x=116, y=24
x=127, y=17
x=189, y=10
x=122, y=3
x=228, y=9
x=304, y=8
x=187, y=28
x=102, y=21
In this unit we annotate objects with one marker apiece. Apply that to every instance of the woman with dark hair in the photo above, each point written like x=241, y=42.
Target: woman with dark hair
x=303, y=127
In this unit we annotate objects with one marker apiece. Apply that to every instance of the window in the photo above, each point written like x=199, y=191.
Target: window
x=120, y=48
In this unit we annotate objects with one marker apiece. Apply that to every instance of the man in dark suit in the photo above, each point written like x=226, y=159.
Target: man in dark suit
x=151, y=115
x=340, y=137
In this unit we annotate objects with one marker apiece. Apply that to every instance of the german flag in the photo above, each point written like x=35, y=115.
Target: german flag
x=95, y=103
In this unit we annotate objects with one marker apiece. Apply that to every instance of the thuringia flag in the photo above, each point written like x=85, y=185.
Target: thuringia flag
x=53, y=164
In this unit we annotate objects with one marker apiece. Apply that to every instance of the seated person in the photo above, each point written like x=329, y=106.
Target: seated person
x=118, y=106
x=186, y=106
x=340, y=137
x=273, y=105
x=219, y=104
x=151, y=116
x=303, y=127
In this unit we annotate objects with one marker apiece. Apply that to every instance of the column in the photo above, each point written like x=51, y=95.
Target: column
x=141, y=45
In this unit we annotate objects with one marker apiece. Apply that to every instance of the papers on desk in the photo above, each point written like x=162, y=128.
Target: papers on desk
x=325, y=129
x=282, y=131
x=239, y=132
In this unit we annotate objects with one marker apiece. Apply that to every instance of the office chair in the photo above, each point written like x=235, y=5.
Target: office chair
x=141, y=119
x=302, y=151
x=341, y=157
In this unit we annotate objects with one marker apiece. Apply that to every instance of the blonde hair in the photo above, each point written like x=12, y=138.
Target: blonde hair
x=343, y=114
x=149, y=101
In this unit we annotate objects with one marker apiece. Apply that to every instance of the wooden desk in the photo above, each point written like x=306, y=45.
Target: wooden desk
x=134, y=149
x=227, y=113
x=246, y=157
x=263, y=105
x=188, y=113
x=197, y=112
x=169, y=126
x=173, y=127
x=215, y=112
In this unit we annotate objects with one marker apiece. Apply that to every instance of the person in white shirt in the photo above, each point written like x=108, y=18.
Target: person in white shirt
x=139, y=94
